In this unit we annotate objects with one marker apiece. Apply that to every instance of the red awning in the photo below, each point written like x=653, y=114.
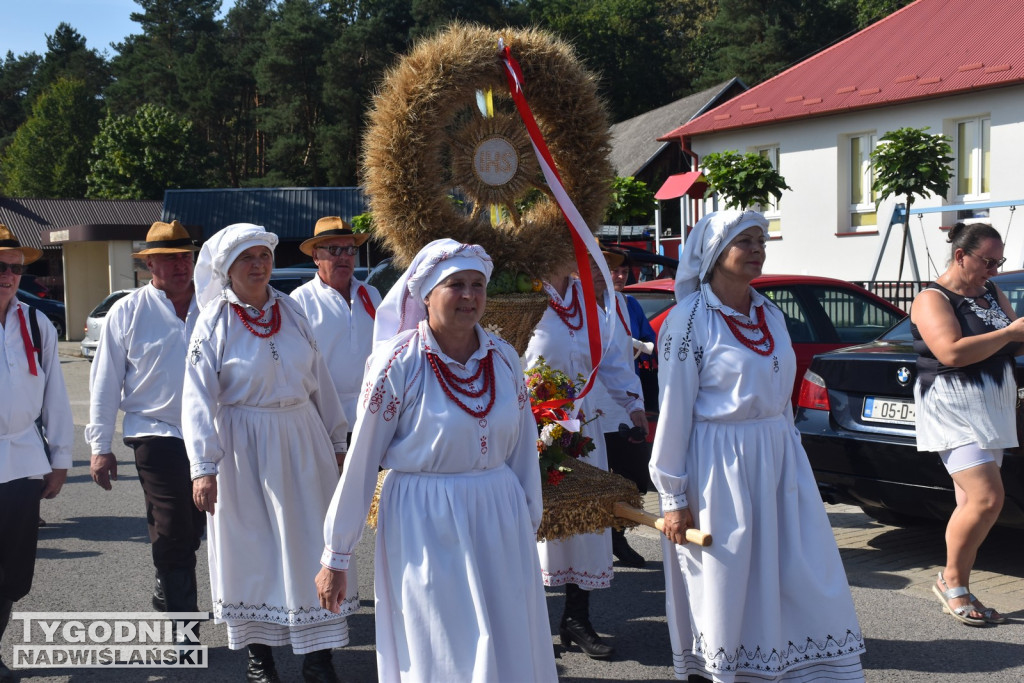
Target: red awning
x=692, y=183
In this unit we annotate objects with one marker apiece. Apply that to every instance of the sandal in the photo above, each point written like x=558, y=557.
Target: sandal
x=962, y=613
x=990, y=614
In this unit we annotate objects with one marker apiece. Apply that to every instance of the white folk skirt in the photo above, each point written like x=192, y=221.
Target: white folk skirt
x=457, y=582
x=584, y=559
x=274, y=485
x=769, y=599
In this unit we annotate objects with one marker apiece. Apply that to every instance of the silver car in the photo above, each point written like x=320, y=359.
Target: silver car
x=94, y=323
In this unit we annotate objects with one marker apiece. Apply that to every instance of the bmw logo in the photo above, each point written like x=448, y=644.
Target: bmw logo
x=903, y=376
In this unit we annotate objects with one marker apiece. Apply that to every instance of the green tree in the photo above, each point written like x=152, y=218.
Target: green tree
x=139, y=156
x=631, y=44
x=755, y=40
x=870, y=11
x=631, y=201
x=289, y=75
x=68, y=57
x=16, y=76
x=743, y=180
x=49, y=154
x=910, y=161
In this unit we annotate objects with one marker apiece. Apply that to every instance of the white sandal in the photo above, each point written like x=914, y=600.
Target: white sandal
x=988, y=612
x=962, y=613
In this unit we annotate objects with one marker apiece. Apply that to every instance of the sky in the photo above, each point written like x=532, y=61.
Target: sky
x=24, y=24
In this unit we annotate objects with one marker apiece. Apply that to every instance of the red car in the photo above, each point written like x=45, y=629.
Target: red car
x=822, y=313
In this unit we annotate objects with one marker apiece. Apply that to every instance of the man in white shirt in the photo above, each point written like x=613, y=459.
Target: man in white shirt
x=31, y=378
x=140, y=368
x=340, y=308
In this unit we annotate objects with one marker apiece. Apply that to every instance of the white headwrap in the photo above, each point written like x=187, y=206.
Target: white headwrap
x=403, y=307
x=707, y=241
x=220, y=251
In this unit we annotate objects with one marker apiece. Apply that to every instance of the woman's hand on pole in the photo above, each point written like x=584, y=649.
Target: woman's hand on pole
x=676, y=524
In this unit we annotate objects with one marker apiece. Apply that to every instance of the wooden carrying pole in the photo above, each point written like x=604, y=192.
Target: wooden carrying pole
x=631, y=513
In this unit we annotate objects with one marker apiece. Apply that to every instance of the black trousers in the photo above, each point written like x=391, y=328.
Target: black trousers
x=176, y=526
x=19, y=533
x=628, y=459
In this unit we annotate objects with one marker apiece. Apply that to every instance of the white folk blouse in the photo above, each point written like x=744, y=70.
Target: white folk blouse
x=139, y=368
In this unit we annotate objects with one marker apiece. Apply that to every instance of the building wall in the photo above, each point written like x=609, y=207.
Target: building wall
x=815, y=235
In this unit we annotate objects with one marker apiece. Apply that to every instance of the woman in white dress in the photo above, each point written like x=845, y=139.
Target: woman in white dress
x=445, y=409
x=583, y=563
x=265, y=432
x=769, y=600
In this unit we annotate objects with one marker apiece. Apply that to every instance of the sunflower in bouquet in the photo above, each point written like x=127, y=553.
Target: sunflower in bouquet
x=559, y=437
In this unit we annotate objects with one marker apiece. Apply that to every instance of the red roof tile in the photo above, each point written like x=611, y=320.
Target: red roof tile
x=928, y=49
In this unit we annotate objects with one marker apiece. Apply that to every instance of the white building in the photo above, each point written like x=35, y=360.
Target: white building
x=955, y=66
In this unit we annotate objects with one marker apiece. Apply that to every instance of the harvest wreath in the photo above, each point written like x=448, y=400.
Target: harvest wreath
x=509, y=124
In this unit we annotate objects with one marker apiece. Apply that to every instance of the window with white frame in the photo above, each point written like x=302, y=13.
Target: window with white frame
x=771, y=210
x=973, y=152
x=862, y=176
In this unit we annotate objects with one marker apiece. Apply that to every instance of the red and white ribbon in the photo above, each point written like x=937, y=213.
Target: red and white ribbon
x=583, y=242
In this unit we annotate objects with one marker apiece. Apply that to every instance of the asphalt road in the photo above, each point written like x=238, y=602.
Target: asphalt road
x=94, y=556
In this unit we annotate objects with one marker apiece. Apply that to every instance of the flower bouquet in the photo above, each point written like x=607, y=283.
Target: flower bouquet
x=551, y=397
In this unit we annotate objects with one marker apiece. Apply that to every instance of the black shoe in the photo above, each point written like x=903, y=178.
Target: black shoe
x=582, y=633
x=159, y=601
x=317, y=668
x=625, y=554
x=261, y=667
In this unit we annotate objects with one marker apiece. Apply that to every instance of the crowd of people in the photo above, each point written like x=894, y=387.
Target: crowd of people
x=267, y=422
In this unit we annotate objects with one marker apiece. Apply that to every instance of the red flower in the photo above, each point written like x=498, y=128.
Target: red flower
x=554, y=477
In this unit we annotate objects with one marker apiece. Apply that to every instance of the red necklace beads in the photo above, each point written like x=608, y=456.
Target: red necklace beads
x=766, y=341
x=453, y=384
x=270, y=328
x=571, y=315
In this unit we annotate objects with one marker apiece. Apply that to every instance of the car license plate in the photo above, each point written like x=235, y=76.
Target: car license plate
x=890, y=410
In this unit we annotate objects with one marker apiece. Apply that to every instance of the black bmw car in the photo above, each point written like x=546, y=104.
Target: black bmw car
x=855, y=413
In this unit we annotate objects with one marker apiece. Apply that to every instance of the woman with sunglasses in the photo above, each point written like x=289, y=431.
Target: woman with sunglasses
x=967, y=334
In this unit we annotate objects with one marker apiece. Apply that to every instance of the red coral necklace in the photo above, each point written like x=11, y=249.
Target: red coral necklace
x=269, y=328
x=737, y=328
x=571, y=315
x=452, y=384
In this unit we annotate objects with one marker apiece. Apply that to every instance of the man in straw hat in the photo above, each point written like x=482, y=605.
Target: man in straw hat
x=26, y=476
x=140, y=368
x=340, y=308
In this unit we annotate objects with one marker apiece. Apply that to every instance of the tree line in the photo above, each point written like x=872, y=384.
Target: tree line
x=273, y=92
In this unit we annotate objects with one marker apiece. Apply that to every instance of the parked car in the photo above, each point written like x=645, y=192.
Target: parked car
x=855, y=413
x=32, y=285
x=94, y=322
x=822, y=313
x=284, y=279
x=52, y=309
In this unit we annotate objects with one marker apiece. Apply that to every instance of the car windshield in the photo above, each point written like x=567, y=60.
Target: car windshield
x=104, y=306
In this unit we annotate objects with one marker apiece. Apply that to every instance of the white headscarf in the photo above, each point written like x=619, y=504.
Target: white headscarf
x=707, y=241
x=220, y=251
x=403, y=307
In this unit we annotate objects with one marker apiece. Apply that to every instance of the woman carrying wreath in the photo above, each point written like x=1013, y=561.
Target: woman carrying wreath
x=583, y=563
x=769, y=600
x=445, y=409
x=265, y=433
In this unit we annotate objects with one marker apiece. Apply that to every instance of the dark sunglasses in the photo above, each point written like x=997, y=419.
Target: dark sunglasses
x=335, y=250
x=990, y=263
x=15, y=268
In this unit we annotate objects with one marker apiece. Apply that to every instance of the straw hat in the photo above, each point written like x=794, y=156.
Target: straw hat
x=614, y=258
x=9, y=242
x=328, y=227
x=167, y=238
